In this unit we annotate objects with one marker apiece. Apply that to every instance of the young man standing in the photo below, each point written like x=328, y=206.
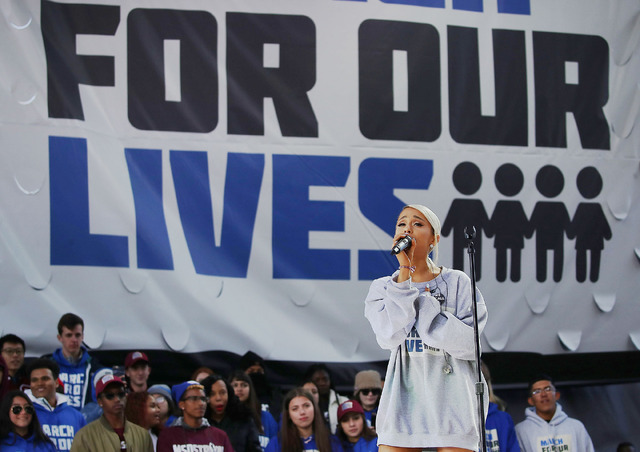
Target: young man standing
x=59, y=421
x=192, y=431
x=546, y=427
x=137, y=370
x=13, y=350
x=112, y=432
x=76, y=365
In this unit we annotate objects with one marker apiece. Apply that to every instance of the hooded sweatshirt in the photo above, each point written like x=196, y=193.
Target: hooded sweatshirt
x=560, y=434
x=60, y=423
x=501, y=434
x=76, y=378
x=16, y=443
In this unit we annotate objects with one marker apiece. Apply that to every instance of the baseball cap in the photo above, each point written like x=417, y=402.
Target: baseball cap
x=350, y=406
x=134, y=357
x=105, y=381
x=178, y=390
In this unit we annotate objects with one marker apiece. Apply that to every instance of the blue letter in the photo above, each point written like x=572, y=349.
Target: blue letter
x=152, y=239
x=294, y=215
x=71, y=240
x=241, y=193
x=377, y=180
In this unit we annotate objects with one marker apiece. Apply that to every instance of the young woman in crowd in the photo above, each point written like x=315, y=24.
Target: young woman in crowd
x=20, y=429
x=142, y=409
x=243, y=388
x=303, y=427
x=225, y=411
x=353, y=431
x=162, y=395
x=429, y=398
x=366, y=390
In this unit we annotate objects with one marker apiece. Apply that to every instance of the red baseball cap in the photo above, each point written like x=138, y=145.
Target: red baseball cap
x=105, y=381
x=350, y=406
x=134, y=357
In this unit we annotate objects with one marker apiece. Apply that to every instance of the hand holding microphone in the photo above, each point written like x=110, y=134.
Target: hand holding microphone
x=402, y=245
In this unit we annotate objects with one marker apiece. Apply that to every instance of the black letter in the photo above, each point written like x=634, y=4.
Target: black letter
x=509, y=125
x=65, y=69
x=554, y=97
x=197, y=110
x=249, y=82
x=378, y=120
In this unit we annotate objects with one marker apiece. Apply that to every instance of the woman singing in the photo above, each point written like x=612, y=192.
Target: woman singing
x=423, y=314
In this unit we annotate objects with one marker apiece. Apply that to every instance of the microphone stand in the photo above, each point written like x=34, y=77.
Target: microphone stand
x=470, y=234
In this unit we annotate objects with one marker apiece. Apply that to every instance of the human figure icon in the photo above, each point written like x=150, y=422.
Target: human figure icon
x=549, y=220
x=589, y=226
x=509, y=222
x=466, y=213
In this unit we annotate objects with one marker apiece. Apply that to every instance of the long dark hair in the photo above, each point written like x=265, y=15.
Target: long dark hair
x=367, y=432
x=252, y=402
x=289, y=435
x=6, y=426
x=136, y=410
x=235, y=408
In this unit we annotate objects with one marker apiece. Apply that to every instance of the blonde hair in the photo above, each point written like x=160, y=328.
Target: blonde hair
x=434, y=221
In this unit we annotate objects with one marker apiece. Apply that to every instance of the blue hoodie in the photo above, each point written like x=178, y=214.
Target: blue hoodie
x=501, y=434
x=61, y=423
x=77, y=378
x=16, y=443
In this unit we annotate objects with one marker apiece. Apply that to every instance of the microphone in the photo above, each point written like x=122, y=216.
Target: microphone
x=403, y=244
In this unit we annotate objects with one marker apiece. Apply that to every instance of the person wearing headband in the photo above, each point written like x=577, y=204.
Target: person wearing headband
x=423, y=314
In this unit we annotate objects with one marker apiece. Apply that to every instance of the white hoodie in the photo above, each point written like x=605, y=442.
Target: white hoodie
x=560, y=434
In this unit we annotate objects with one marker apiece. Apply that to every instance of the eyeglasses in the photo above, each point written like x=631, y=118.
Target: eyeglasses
x=13, y=351
x=17, y=409
x=113, y=395
x=194, y=398
x=374, y=391
x=535, y=392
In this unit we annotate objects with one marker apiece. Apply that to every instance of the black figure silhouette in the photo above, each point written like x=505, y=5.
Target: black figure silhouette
x=466, y=213
x=550, y=221
x=589, y=225
x=509, y=222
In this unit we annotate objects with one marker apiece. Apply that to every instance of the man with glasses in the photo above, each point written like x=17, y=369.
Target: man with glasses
x=13, y=349
x=192, y=431
x=546, y=427
x=59, y=421
x=112, y=432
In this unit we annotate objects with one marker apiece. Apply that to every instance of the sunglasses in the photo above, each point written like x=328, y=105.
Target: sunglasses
x=17, y=409
x=113, y=395
x=374, y=391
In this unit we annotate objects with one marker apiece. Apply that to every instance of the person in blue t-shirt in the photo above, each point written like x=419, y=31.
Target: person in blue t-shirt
x=353, y=431
x=303, y=426
x=20, y=429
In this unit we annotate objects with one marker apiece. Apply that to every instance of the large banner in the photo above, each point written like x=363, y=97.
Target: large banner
x=226, y=175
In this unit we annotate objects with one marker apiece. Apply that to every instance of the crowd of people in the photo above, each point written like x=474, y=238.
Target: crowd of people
x=69, y=401
x=421, y=313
